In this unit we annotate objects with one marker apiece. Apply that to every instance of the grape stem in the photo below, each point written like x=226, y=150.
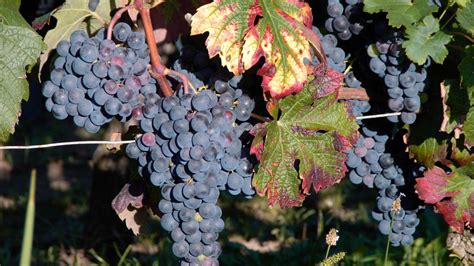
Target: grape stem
x=463, y=35
x=261, y=118
x=156, y=67
x=154, y=55
x=115, y=18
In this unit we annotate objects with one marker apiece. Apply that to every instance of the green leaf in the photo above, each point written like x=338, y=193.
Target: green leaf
x=430, y=151
x=75, y=15
x=400, y=12
x=468, y=128
x=425, y=39
x=460, y=154
x=452, y=194
x=457, y=105
x=19, y=47
x=462, y=3
x=466, y=69
x=243, y=31
x=465, y=17
x=307, y=143
x=9, y=14
x=13, y=5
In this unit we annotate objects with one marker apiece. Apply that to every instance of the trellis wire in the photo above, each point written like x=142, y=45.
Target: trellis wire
x=68, y=143
x=99, y=142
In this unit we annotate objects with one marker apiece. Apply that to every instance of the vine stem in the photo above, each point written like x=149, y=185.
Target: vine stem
x=259, y=117
x=447, y=21
x=463, y=35
x=115, y=18
x=156, y=67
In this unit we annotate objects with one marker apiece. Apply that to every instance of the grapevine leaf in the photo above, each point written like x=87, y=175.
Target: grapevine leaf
x=258, y=131
x=430, y=151
x=455, y=104
x=39, y=22
x=466, y=19
x=468, y=128
x=135, y=219
x=75, y=15
x=425, y=39
x=9, y=14
x=460, y=154
x=306, y=142
x=130, y=194
x=466, y=69
x=462, y=3
x=243, y=31
x=400, y=12
x=20, y=46
x=452, y=194
x=329, y=79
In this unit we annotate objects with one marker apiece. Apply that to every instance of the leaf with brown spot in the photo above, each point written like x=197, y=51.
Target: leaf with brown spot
x=305, y=143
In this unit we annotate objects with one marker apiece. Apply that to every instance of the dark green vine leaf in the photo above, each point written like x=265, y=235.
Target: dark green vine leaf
x=468, y=128
x=75, y=15
x=430, y=151
x=425, y=39
x=400, y=12
x=20, y=47
x=452, y=194
x=462, y=3
x=9, y=14
x=456, y=103
x=304, y=148
x=466, y=69
x=460, y=154
x=243, y=31
x=465, y=17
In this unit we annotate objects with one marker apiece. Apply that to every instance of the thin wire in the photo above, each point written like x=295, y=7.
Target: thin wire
x=377, y=116
x=69, y=143
x=98, y=142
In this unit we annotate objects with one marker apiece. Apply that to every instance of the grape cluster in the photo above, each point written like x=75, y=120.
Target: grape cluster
x=95, y=79
x=368, y=163
x=195, y=82
x=193, y=219
x=402, y=79
x=196, y=61
x=335, y=56
x=344, y=18
x=191, y=148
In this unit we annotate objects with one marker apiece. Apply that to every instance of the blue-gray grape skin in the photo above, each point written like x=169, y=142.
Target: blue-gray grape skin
x=196, y=152
x=93, y=75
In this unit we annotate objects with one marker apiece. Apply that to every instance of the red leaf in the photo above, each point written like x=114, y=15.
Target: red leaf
x=452, y=194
